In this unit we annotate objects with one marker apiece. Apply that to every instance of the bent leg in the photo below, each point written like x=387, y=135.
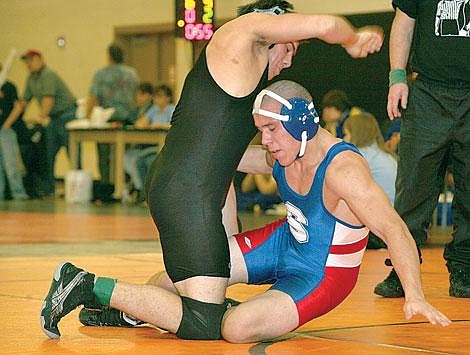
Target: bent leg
x=149, y=303
x=264, y=316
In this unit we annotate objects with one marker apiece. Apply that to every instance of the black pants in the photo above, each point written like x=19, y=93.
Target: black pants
x=56, y=136
x=435, y=130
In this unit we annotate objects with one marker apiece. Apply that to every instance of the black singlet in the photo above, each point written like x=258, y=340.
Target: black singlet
x=190, y=178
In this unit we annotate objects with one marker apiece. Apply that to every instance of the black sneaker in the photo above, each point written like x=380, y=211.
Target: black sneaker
x=106, y=317
x=459, y=283
x=70, y=288
x=390, y=287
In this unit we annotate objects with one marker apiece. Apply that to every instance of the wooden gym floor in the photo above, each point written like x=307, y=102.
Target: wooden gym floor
x=120, y=241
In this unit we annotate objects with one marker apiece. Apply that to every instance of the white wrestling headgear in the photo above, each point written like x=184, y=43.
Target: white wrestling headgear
x=297, y=115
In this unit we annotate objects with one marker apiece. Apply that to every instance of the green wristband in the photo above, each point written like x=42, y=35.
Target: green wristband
x=397, y=76
x=103, y=289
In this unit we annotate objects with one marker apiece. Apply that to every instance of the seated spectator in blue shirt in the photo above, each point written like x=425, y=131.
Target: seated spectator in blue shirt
x=337, y=108
x=143, y=102
x=163, y=107
x=138, y=159
x=363, y=131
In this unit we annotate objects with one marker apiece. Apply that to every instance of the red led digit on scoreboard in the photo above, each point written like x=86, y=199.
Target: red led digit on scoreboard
x=197, y=23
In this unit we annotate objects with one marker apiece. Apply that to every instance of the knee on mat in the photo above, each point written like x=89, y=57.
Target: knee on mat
x=201, y=320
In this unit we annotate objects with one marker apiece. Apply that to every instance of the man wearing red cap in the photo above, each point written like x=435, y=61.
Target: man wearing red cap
x=57, y=107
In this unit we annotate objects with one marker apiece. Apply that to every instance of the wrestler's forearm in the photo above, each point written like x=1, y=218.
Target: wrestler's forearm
x=297, y=27
x=405, y=260
x=47, y=103
x=90, y=103
x=401, y=37
x=254, y=161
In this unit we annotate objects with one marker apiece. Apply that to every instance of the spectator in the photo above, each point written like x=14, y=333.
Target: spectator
x=112, y=86
x=153, y=114
x=336, y=109
x=143, y=102
x=57, y=107
x=11, y=132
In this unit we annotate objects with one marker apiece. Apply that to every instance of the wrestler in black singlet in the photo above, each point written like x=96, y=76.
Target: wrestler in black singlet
x=189, y=180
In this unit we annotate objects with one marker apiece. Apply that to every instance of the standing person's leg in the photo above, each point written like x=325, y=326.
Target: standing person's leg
x=104, y=153
x=423, y=155
x=11, y=155
x=62, y=132
x=26, y=150
x=53, y=137
x=2, y=179
x=457, y=252
x=130, y=166
x=39, y=160
x=143, y=164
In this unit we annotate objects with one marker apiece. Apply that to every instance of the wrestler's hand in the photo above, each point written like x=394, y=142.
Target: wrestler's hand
x=413, y=307
x=369, y=39
x=397, y=95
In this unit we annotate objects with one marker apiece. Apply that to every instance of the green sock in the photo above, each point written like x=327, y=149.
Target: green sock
x=103, y=289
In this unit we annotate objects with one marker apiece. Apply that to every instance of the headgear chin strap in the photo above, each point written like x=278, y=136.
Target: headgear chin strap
x=298, y=116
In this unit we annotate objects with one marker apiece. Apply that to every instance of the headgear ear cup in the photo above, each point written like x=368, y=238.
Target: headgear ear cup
x=303, y=121
x=298, y=116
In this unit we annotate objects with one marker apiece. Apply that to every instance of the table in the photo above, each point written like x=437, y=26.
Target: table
x=118, y=138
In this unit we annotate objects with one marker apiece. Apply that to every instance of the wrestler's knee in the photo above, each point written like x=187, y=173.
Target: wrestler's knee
x=239, y=327
x=161, y=279
x=201, y=320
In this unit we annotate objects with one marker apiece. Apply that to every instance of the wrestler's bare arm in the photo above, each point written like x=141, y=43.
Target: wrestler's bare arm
x=239, y=49
x=256, y=160
x=262, y=28
x=349, y=178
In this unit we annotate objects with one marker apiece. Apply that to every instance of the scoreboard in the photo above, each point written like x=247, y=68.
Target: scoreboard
x=195, y=19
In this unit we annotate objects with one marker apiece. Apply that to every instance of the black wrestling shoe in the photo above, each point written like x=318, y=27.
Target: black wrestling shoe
x=70, y=288
x=390, y=287
x=459, y=283
x=106, y=317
